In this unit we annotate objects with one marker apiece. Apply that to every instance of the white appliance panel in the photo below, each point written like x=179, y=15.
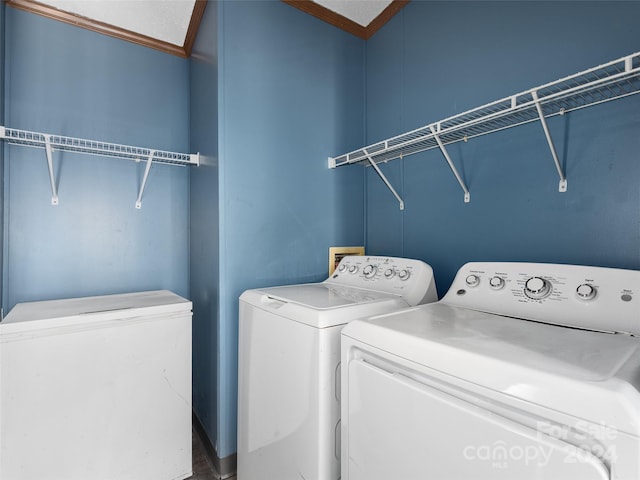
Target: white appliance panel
x=324, y=296
x=421, y=433
x=102, y=399
x=411, y=279
x=480, y=366
x=86, y=311
x=343, y=311
x=593, y=298
x=289, y=362
x=288, y=395
x=591, y=374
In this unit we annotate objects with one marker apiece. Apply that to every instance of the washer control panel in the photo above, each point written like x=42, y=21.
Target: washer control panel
x=593, y=298
x=412, y=279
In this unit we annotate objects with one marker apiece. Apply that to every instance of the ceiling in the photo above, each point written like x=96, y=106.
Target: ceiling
x=172, y=25
x=363, y=12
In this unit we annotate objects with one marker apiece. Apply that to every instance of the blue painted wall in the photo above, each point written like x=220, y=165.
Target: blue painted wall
x=204, y=222
x=291, y=92
x=66, y=80
x=436, y=59
x=2, y=55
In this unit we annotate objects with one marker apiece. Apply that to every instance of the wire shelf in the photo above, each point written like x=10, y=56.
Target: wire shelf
x=50, y=143
x=616, y=79
x=78, y=145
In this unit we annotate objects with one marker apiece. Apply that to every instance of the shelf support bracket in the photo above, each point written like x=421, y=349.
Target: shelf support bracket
x=52, y=178
x=144, y=178
x=384, y=179
x=562, y=187
x=467, y=195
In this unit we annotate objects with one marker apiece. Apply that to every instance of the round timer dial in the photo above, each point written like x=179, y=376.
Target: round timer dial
x=472, y=280
x=496, y=282
x=404, y=274
x=537, y=288
x=369, y=271
x=586, y=291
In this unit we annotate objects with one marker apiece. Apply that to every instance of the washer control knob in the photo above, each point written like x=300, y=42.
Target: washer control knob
x=389, y=273
x=496, y=282
x=537, y=288
x=404, y=274
x=369, y=271
x=586, y=291
x=353, y=269
x=342, y=267
x=472, y=280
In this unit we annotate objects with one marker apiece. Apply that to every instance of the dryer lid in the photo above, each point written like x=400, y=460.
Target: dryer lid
x=589, y=374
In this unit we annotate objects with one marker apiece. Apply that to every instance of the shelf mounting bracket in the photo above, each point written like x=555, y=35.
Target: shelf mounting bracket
x=562, y=187
x=384, y=179
x=467, y=195
x=144, y=178
x=52, y=178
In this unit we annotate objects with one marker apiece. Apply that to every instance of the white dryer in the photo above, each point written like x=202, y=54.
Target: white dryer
x=477, y=387
x=289, y=362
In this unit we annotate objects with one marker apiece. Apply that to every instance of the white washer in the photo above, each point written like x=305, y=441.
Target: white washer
x=475, y=387
x=289, y=362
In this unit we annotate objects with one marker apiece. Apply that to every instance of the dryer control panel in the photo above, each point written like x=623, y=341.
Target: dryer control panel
x=412, y=279
x=593, y=298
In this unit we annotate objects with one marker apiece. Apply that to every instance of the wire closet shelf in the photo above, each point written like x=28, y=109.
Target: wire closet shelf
x=50, y=143
x=613, y=80
x=14, y=136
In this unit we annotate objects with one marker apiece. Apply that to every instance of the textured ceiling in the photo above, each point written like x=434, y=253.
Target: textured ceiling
x=168, y=20
x=164, y=20
x=172, y=25
x=363, y=12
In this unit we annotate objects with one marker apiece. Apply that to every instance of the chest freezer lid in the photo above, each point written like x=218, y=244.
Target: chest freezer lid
x=71, y=311
x=323, y=296
x=567, y=369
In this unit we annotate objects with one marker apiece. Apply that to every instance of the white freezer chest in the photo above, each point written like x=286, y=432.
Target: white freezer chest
x=96, y=388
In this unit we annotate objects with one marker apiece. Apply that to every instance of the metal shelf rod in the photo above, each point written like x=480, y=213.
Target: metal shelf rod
x=563, y=181
x=52, y=178
x=144, y=179
x=50, y=143
x=15, y=136
x=509, y=106
x=386, y=182
x=613, y=80
x=467, y=195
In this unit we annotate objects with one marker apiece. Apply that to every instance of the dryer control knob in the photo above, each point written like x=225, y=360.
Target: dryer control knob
x=404, y=274
x=586, y=291
x=537, y=288
x=496, y=282
x=369, y=271
x=472, y=280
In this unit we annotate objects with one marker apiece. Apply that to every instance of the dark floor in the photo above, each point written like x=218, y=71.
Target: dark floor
x=201, y=468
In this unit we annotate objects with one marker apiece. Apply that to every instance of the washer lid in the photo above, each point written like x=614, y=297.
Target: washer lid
x=322, y=305
x=322, y=296
x=589, y=374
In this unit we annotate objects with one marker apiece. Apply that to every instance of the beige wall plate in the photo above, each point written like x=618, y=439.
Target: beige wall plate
x=337, y=253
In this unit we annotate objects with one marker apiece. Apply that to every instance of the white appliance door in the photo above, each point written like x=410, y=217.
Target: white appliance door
x=288, y=406
x=97, y=400
x=400, y=428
